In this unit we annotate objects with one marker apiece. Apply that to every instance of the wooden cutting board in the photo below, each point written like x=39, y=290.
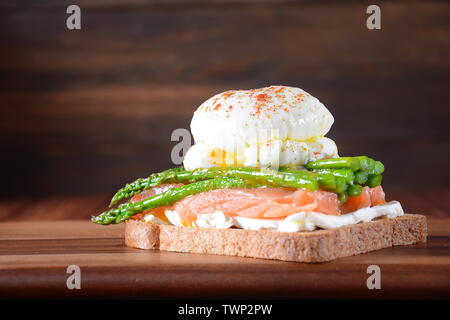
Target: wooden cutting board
x=34, y=257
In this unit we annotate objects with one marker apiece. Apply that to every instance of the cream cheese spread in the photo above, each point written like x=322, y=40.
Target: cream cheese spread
x=301, y=221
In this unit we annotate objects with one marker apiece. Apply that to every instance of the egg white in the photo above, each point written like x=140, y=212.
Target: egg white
x=235, y=119
x=266, y=128
x=273, y=154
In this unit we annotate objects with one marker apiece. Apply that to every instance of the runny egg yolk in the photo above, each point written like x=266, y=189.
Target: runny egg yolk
x=158, y=213
x=162, y=216
x=222, y=158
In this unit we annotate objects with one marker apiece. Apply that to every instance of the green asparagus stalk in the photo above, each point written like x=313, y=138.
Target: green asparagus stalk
x=361, y=163
x=344, y=176
x=354, y=190
x=326, y=180
x=127, y=210
x=347, y=174
x=144, y=183
x=365, y=163
x=378, y=168
x=305, y=179
x=353, y=163
x=374, y=180
x=361, y=177
x=341, y=185
x=342, y=197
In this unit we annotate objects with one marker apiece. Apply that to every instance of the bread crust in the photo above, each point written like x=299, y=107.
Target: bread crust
x=311, y=247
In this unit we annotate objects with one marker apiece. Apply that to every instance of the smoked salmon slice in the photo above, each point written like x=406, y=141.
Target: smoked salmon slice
x=368, y=197
x=261, y=203
x=157, y=212
x=377, y=196
x=257, y=203
x=154, y=191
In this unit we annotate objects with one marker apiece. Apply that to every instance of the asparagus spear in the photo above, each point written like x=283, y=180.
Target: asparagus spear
x=347, y=174
x=327, y=180
x=379, y=168
x=374, y=180
x=353, y=163
x=305, y=179
x=127, y=210
x=342, y=197
x=354, y=190
x=361, y=163
x=341, y=185
x=140, y=184
x=361, y=177
x=334, y=175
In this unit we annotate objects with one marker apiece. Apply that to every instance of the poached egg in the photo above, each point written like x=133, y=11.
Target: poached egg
x=264, y=128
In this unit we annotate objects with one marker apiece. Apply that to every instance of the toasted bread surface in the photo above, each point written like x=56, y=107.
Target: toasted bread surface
x=312, y=247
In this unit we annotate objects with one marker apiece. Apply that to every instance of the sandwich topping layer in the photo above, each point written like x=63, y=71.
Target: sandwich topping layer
x=282, y=209
x=260, y=161
x=297, y=222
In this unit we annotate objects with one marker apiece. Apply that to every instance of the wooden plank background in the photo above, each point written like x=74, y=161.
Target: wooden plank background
x=82, y=112
x=34, y=257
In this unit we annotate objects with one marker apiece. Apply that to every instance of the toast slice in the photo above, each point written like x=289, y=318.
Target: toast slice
x=312, y=247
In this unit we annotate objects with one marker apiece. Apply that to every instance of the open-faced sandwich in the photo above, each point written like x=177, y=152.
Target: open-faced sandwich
x=263, y=181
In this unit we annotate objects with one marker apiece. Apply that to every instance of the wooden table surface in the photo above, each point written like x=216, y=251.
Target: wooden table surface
x=34, y=256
